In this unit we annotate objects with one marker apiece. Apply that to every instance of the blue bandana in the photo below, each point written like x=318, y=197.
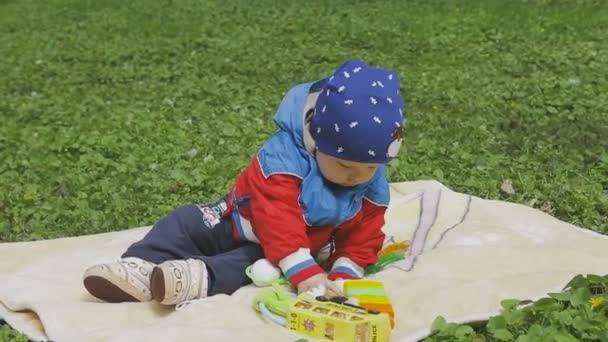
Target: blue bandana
x=359, y=114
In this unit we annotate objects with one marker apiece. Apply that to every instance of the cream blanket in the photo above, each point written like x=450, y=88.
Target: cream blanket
x=467, y=254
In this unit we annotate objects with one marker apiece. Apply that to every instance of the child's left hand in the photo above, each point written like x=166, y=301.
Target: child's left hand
x=319, y=280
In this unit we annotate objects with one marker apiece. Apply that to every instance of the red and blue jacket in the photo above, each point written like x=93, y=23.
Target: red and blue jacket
x=282, y=202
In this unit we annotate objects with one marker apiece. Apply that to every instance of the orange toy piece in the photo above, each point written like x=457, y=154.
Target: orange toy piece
x=371, y=296
x=399, y=246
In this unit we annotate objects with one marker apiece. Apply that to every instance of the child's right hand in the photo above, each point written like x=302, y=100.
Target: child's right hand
x=318, y=280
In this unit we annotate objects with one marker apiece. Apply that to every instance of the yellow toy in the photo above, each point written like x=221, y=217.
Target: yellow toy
x=370, y=295
x=324, y=319
x=364, y=315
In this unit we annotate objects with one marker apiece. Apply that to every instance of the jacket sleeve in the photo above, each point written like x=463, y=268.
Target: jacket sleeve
x=277, y=220
x=357, y=246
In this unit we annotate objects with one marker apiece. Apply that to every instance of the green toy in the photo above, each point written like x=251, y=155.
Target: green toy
x=262, y=273
x=388, y=255
x=273, y=303
x=383, y=261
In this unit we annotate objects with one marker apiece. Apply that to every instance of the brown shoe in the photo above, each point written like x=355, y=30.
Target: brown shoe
x=127, y=280
x=178, y=281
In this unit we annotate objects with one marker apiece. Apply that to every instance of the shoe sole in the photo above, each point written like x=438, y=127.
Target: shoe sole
x=157, y=284
x=105, y=290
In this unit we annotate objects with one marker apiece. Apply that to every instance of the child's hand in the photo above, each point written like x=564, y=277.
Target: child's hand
x=319, y=280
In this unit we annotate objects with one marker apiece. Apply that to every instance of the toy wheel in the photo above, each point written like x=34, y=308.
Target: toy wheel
x=321, y=298
x=339, y=299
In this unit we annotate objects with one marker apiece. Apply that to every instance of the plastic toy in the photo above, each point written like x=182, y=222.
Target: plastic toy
x=402, y=247
x=388, y=255
x=333, y=319
x=365, y=314
x=263, y=273
x=371, y=296
x=274, y=303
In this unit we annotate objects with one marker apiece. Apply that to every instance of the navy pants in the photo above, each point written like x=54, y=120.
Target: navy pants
x=201, y=232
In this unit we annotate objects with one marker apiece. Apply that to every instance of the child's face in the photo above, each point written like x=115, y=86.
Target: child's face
x=345, y=173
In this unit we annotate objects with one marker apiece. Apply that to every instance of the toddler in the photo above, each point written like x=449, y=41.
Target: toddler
x=321, y=180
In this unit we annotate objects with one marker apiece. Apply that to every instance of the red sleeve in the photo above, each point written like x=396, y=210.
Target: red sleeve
x=357, y=246
x=277, y=220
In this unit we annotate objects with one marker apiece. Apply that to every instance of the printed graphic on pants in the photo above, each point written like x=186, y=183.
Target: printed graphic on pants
x=213, y=212
x=210, y=217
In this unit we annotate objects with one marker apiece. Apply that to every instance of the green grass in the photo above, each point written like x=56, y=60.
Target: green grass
x=112, y=113
x=7, y=334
